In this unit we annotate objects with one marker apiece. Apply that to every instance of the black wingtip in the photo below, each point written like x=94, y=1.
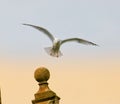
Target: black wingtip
x=28, y=24
x=95, y=45
x=25, y=24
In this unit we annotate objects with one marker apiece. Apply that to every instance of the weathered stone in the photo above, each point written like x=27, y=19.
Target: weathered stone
x=44, y=94
x=41, y=74
x=0, y=97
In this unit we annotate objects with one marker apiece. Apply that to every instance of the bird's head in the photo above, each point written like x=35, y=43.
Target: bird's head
x=57, y=42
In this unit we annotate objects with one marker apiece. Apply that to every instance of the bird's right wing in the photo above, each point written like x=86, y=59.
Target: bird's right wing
x=82, y=41
x=42, y=30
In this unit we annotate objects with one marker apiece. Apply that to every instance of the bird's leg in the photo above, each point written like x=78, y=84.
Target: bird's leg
x=57, y=55
x=51, y=53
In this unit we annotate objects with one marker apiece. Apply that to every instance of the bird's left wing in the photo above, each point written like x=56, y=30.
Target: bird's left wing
x=42, y=30
x=82, y=41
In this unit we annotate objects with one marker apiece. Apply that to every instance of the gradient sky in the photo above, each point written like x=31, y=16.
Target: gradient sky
x=84, y=74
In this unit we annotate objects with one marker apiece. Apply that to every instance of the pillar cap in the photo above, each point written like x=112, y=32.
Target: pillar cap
x=41, y=75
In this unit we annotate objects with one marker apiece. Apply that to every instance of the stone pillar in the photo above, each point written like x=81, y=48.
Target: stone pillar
x=0, y=97
x=44, y=94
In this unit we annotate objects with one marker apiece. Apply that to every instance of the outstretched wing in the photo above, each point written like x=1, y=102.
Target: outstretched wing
x=42, y=30
x=79, y=41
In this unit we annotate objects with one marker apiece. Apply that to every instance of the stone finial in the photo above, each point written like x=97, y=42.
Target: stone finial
x=44, y=94
x=42, y=75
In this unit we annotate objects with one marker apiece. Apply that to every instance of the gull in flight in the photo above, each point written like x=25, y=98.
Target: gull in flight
x=55, y=49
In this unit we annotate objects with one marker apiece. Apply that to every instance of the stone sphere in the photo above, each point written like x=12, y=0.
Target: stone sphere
x=41, y=74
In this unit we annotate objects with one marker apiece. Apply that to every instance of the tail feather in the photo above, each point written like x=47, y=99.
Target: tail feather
x=53, y=53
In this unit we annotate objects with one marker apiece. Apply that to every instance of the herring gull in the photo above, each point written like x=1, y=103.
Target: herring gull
x=55, y=49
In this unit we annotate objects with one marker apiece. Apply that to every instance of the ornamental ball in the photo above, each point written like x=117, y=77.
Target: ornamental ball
x=41, y=74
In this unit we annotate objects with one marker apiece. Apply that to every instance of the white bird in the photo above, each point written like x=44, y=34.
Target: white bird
x=55, y=49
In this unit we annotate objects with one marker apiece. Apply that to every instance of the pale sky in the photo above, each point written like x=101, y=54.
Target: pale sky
x=84, y=74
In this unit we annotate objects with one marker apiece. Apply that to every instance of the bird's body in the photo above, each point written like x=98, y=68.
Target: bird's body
x=55, y=49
